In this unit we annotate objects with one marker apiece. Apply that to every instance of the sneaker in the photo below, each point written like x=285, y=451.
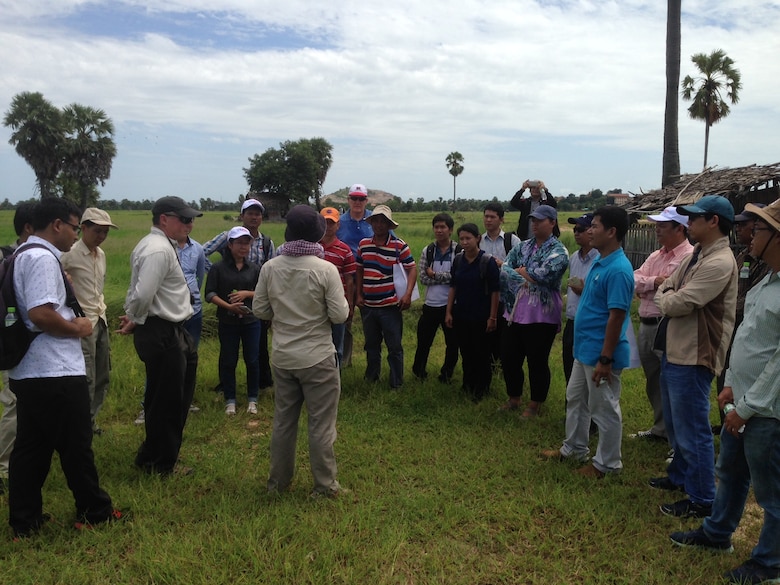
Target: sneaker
x=669, y=456
x=697, y=539
x=194, y=408
x=115, y=516
x=556, y=455
x=140, y=419
x=647, y=436
x=664, y=483
x=252, y=408
x=686, y=509
x=230, y=409
x=751, y=572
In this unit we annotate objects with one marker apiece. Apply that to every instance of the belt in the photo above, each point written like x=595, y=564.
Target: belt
x=650, y=320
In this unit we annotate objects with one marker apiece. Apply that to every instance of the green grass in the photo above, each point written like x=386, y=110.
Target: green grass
x=442, y=490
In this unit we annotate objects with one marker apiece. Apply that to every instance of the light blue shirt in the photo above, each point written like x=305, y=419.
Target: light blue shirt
x=578, y=267
x=496, y=247
x=754, y=366
x=193, y=263
x=351, y=231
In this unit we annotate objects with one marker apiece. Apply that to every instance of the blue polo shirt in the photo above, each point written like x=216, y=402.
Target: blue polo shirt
x=351, y=231
x=609, y=285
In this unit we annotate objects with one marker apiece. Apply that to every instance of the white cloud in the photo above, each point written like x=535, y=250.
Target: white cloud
x=521, y=88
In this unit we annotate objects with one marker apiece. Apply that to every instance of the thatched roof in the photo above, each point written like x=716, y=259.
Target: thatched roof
x=754, y=183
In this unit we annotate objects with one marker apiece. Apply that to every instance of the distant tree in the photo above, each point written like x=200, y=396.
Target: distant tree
x=671, y=157
x=88, y=149
x=717, y=73
x=454, y=162
x=323, y=154
x=38, y=134
x=291, y=173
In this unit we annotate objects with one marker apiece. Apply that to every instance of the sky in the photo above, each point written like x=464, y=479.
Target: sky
x=567, y=91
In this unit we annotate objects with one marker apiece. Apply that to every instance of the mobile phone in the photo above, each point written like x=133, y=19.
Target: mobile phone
x=246, y=310
x=533, y=183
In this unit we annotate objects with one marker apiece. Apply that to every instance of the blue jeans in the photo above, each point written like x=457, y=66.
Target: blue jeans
x=384, y=323
x=753, y=457
x=685, y=394
x=248, y=336
x=337, y=332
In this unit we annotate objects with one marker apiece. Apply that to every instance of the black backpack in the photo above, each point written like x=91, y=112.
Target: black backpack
x=430, y=250
x=16, y=339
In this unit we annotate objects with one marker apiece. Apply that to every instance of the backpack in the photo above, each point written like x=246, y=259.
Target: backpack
x=16, y=339
x=430, y=251
x=484, y=260
x=508, y=241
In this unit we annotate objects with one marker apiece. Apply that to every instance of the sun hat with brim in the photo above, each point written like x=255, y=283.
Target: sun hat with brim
x=543, y=212
x=670, y=214
x=746, y=215
x=769, y=214
x=97, y=217
x=712, y=204
x=384, y=211
x=175, y=205
x=238, y=232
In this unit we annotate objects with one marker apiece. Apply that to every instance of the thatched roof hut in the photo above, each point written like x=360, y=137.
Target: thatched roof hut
x=741, y=185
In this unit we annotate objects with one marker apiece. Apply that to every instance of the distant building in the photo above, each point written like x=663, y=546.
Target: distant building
x=618, y=199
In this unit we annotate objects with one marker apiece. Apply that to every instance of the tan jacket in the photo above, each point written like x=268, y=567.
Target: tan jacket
x=701, y=307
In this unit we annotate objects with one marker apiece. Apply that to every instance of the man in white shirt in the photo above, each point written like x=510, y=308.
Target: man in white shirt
x=157, y=305
x=50, y=382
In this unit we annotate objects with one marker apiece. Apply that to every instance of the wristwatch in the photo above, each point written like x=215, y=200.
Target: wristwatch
x=605, y=360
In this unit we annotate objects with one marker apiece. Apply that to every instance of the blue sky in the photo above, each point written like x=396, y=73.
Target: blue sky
x=568, y=91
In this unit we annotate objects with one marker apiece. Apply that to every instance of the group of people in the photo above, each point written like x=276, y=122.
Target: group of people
x=497, y=298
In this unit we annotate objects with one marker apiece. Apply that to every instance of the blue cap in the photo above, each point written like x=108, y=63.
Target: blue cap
x=545, y=212
x=583, y=221
x=713, y=204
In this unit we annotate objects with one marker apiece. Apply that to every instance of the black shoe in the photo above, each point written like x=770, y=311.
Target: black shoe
x=34, y=528
x=687, y=509
x=116, y=515
x=647, y=436
x=664, y=483
x=697, y=539
x=753, y=573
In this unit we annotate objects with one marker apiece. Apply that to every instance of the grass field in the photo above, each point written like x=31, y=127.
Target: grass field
x=442, y=491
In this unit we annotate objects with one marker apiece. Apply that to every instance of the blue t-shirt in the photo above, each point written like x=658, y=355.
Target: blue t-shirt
x=609, y=285
x=351, y=231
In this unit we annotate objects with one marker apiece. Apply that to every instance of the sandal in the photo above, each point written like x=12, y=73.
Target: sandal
x=511, y=404
x=532, y=410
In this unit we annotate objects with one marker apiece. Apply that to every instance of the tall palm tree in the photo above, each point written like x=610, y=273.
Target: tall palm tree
x=717, y=73
x=37, y=136
x=671, y=156
x=454, y=162
x=89, y=149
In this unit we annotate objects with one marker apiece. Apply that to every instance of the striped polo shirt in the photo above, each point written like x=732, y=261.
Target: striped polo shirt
x=340, y=255
x=377, y=262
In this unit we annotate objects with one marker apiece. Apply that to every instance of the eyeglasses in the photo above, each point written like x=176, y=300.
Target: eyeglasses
x=76, y=228
x=357, y=198
x=184, y=220
x=761, y=229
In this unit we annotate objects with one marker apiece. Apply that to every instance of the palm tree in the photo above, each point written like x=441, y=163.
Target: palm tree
x=454, y=162
x=717, y=73
x=37, y=136
x=89, y=148
x=671, y=157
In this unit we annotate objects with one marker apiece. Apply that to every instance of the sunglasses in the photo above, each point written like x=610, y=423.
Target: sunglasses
x=184, y=220
x=357, y=198
x=581, y=230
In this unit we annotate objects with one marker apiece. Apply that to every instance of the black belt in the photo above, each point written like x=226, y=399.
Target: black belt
x=650, y=320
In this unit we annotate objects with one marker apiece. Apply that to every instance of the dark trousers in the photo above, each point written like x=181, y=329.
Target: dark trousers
x=493, y=339
x=475, y=357
x=530, y=343
x=53, y=415
x=171, y=361
x=567, y=351
x=231, y=337
x=266, y=377
x=431, y=320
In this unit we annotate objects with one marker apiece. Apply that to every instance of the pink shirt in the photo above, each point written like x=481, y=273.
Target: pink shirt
x=660, y=263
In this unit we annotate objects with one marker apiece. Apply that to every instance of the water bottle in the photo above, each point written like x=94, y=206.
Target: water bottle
x=728, y=408
x=10, y=318
x=744, y=272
